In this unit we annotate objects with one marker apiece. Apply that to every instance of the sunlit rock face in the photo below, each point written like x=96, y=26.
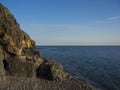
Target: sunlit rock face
x=11, y=36
x=17, y=55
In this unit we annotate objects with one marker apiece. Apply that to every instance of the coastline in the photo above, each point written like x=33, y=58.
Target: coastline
x=24, y=68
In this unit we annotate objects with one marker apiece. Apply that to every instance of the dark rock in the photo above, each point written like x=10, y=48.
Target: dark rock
x=2, y=71
x=16, y=67
x=52, y=70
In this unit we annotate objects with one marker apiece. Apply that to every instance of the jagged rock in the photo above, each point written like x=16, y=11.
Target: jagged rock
x=17, y=47
x=12, y=37
x=20, y=57
x=52, y=70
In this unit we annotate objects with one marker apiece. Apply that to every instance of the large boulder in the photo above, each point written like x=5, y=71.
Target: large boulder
x=52, y=70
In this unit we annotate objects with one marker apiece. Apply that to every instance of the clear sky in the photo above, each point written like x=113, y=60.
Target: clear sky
x=68, y=22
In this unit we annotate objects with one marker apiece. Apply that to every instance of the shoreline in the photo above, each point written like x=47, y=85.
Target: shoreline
x=87, y=81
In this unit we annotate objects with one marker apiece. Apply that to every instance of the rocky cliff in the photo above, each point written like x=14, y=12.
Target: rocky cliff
x=19, y=59
x=16, y=47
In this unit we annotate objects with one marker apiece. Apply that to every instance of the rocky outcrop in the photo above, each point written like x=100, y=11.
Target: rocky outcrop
x=51, y=70
x=18, y=55
x=16, y=48
x=12, y=37
x=19, y=59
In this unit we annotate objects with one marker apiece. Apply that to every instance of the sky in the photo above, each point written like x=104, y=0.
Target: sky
x=68, y=22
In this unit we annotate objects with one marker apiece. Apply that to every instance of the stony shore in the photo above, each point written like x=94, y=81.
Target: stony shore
x=23, y=83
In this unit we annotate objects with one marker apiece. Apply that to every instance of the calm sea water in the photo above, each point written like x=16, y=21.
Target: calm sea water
x=99, y=64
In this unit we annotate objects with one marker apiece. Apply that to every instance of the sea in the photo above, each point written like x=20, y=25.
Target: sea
x=99, y=65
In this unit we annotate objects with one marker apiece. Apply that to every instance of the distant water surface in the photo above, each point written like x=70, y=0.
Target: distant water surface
x=99, y=64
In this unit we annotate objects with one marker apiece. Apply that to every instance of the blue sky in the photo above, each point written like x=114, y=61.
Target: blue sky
x=68, y=22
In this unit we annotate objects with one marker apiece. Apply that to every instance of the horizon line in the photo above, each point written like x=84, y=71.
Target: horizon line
x=77, y=45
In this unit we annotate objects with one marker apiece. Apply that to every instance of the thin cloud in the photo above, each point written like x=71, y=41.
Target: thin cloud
x=109, y=20
x=114, y=18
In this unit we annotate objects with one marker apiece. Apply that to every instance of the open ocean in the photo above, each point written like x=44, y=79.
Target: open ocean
x=96, y=64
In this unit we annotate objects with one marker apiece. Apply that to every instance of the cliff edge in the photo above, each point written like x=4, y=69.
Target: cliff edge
x=21, y=66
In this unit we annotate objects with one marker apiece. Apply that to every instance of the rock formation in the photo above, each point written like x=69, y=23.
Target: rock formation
x=18, y=57
x=51, y=70
x=17, y=52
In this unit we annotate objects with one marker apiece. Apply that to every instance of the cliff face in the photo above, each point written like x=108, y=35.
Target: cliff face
x=17, y=52
x=16, y=47
x=12, y=37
